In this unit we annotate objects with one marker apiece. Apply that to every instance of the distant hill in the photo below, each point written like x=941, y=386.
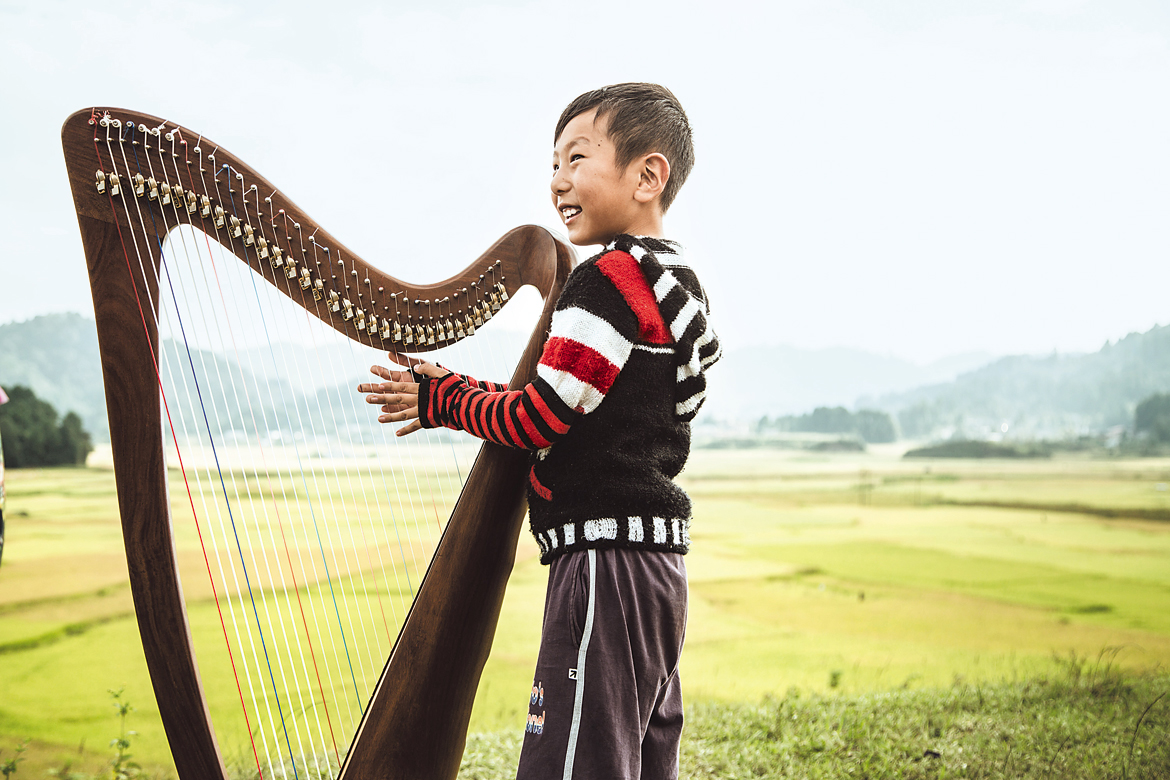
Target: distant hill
x=1050, y=396
x=749, y=383
x=57, y=356
x=1037, y=396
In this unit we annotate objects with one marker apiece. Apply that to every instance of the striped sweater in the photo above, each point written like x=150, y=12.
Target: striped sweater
x=630, y=330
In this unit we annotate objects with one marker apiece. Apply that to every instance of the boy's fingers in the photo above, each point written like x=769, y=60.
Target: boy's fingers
x=401, y=359
x=409, y=429
x=392, y=399
x=392, y=376
x=409, y=413
x=409, y=388
x=430, y=369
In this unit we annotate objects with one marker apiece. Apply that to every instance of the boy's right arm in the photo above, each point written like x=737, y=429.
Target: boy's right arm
x=593, y=331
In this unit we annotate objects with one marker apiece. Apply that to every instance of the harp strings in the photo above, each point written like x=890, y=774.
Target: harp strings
x=112, y=191
x=166, y=273
x=194, y=383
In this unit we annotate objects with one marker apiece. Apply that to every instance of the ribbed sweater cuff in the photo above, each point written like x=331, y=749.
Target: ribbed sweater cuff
x=435, y=399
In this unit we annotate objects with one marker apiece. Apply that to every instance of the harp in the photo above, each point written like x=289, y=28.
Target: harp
x=141, y=186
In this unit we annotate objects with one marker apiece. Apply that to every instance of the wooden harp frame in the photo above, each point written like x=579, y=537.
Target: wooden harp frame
x=416, y=722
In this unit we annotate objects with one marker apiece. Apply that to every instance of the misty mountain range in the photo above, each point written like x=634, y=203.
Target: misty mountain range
x=973, y=394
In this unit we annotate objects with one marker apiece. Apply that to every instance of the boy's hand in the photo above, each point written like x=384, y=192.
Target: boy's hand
x=398, y=394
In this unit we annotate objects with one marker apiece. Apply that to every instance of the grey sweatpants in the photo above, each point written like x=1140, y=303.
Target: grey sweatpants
x=606, y=701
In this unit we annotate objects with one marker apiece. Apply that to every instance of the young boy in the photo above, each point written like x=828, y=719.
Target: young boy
x=608, y=418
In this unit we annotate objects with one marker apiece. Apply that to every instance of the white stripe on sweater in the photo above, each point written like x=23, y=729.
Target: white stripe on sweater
x=570, y=389
x=585, y=328
x=685, y=315
x=664, y=285
x=691, y=404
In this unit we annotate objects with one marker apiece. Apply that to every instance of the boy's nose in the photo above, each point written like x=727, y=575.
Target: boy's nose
x=559, y=184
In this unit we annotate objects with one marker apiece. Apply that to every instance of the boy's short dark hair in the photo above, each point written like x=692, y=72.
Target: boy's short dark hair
x=643, y=118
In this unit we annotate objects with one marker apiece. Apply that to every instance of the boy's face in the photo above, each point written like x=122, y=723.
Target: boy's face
x=594, y=198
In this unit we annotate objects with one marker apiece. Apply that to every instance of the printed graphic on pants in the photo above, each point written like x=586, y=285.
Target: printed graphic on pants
x=536, y=699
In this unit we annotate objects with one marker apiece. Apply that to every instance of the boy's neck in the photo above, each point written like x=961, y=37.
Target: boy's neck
x=648, y=225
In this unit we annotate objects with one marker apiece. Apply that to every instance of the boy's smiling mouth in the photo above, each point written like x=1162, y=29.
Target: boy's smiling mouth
x=568, y=212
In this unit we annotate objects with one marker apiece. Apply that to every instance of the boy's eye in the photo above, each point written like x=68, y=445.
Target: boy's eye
x=575, y=157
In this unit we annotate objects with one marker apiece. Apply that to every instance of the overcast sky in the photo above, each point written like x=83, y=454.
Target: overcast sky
x=910, y=177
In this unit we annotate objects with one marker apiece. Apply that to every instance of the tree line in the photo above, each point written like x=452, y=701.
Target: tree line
x=34, y=435
x=870, y=425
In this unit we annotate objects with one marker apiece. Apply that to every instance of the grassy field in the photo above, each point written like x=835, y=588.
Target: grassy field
x=825, y=578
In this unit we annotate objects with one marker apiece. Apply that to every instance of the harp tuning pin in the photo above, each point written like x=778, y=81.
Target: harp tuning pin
x=191, y=202
x=249, y=238
x=178, y=192
x=139, y=184
x=312, y=239
x=359, y=319
x=101, y=181
x=318, y=286
x=205, y=203
x=290, y=270
x=430, y=334
x=306, y=279
x=334, y=301
x=381, y=289
x=262, y=248
x=372, y=325
x=219, y=216
x=277, y=254
x=386, y=331
x=115, y=185
x=198, y=150
x=351, y=273
x=166, y=192
x=367, y=281
x=234, y=229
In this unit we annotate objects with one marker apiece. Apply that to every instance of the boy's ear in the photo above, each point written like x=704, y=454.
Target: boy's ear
x=654, y=171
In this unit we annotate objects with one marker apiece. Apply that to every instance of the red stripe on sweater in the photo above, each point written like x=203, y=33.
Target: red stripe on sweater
x=625, y=273
x=545, y=413
x=540, y=489
x=580, y=360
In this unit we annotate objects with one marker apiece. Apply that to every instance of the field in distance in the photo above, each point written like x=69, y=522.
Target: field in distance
x=827, y=573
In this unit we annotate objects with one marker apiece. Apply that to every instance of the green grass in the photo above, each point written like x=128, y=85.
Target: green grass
x=1111, y=725
x=844, y=577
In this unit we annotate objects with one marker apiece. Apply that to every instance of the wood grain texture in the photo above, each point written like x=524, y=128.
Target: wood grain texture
x=128, y=341
x=415, y=725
